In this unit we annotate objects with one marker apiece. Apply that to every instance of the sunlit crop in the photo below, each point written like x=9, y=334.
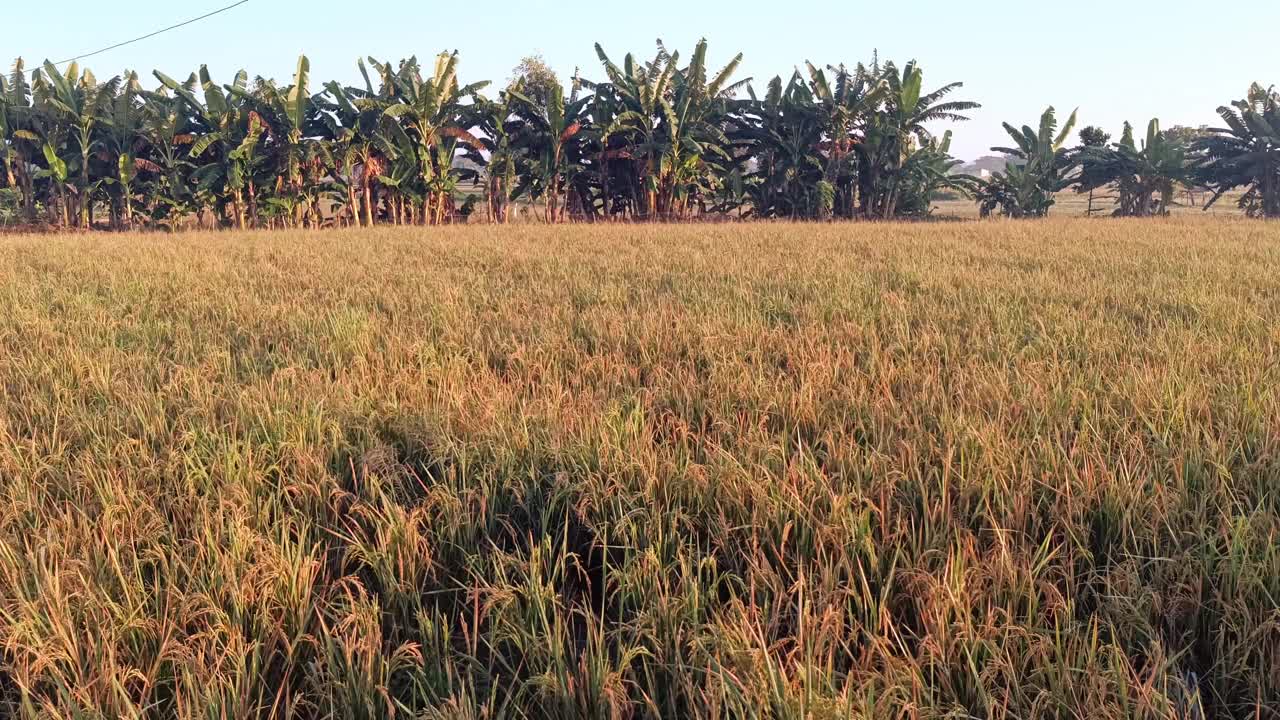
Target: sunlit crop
x=997, y=470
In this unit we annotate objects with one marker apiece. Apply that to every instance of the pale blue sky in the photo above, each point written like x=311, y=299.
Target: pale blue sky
x=1115, y=60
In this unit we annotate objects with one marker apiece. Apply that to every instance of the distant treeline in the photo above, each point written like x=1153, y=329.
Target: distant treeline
x=664, y=139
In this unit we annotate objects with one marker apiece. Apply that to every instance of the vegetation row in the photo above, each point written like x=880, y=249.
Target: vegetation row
x=663, y=139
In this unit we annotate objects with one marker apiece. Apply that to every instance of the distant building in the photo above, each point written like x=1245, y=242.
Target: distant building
x=984, y=166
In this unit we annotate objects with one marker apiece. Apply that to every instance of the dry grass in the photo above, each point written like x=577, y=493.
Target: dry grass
x=777, y=471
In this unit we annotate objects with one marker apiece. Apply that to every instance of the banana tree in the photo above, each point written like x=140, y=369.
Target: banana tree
x=224, y=150
x=18, y=142
x=847, y=102
x=78, y=103
x=431, y=111
x=673, y=120
x=642, y=90
x=1145, y=177
x=397, y=166
x=548, y=134
x=698, y=148
x=784, y=132
x=499, y=151
x=122, y=141
x=930, y=169
x=353, y=119
x=287, y=115
x=1041, y=165
x=1245, y=153
x=610, y=174
x=10, y=104
x=906, y=112
x=58, y=175
x=166, y=133
x=363, y=133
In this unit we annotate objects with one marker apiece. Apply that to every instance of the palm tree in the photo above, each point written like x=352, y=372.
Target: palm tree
x=1245, y=154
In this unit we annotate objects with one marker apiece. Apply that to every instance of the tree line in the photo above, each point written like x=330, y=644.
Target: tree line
x=657, y=139
x=1145, y=173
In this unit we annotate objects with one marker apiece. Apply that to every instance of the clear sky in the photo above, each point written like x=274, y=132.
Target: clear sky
x=1131, y=60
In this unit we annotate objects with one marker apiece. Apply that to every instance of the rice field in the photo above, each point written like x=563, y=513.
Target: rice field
x=938, y=470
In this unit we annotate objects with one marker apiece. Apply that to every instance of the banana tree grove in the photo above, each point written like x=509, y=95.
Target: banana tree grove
x=1245, y=153
x=648, y=139
x=657, y=139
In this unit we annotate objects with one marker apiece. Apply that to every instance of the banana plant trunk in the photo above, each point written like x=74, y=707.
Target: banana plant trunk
x=10, y=180
x=1144, y=202
x=28, y=196
x=18, y=179
x=128, y=206
x=85, y=202
x=553, y=192
x=666, y=198
x=1271, y=192
x=604, y=184
x=237, y=207
x=353, y=204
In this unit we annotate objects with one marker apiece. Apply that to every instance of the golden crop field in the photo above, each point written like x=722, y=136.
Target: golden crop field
x=994, y=470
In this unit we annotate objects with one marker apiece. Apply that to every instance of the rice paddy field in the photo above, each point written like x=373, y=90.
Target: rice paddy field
x=936, y=470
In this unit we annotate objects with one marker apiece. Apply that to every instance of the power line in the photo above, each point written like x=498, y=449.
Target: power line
x=140, y=38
